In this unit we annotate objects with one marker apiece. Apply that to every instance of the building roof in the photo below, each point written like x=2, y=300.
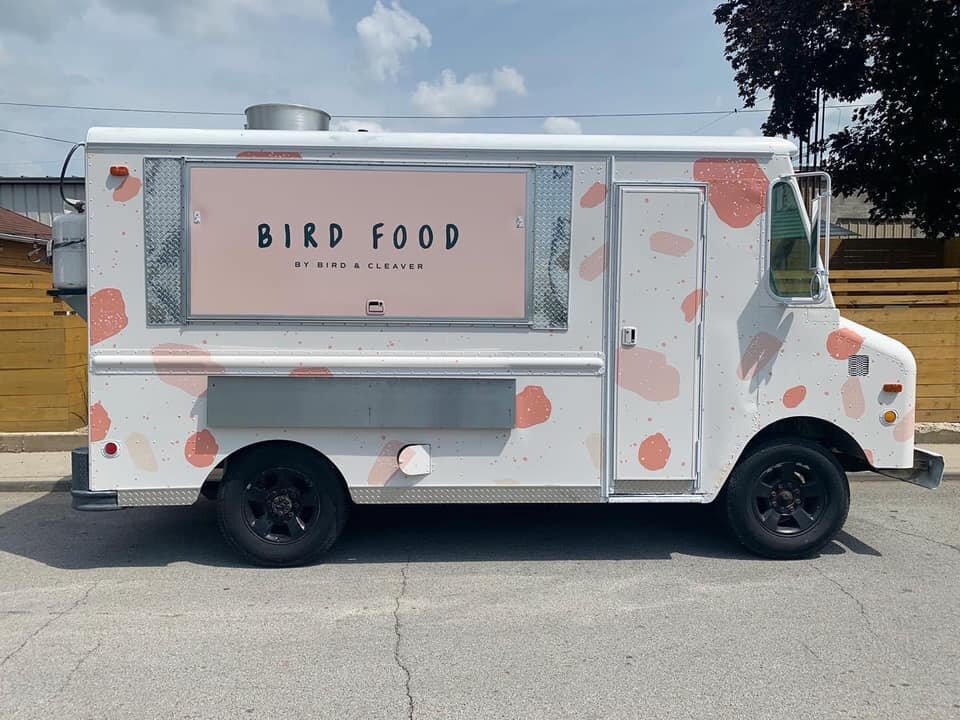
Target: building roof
x=14, y=226
x=295, y=140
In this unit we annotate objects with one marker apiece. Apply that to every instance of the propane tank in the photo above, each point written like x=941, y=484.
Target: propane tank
x=69, y=251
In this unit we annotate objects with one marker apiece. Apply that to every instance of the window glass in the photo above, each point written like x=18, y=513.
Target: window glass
x=791, y=266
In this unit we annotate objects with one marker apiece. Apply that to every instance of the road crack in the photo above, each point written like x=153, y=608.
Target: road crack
x=76, y=667
x=398, y=637
x=860, y=605
x=52, y=619
x=916, y=535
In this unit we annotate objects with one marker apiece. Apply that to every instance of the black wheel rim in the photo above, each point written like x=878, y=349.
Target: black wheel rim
x=789, y=499
x=280, y=505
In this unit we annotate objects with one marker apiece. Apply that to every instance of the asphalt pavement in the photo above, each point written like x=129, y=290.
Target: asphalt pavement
x=481, y=612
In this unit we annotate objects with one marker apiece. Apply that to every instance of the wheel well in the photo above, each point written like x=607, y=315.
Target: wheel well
x=217, y=475
x=847, y=450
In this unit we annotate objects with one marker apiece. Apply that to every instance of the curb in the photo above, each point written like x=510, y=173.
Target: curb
x=42, y=441
x=60, y=485
x=937, y=437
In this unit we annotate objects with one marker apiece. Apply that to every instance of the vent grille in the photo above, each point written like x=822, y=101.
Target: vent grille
x=858, y=365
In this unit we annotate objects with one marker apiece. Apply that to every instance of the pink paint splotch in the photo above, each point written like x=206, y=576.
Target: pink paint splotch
x=189, y=357
x=269, y=155
x=852, y=395
x=386, y=466
x=99, y=422
x=670, y=244
x=869, y=455
x=594, y=264
x=794, y=396
x=594, y=196
x=903, y=430
x=761, y=351
x=108, y=314
x=738, y=188
x=128, y=189
x=648, y=374
x=533, y=407
x=201, y=449
x=654, y=452
x=691, y=304
x=141, y=452
x=843, y=343
x=311, y=372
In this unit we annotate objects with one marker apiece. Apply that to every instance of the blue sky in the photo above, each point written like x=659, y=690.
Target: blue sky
x=364, y=58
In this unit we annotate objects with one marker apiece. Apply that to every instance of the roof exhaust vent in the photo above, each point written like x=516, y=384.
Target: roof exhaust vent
x=281, y=116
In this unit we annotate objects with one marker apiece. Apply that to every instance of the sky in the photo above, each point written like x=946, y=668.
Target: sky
x=365, y=59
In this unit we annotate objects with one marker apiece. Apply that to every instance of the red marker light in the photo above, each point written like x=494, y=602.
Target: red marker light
x=119, y=170
x=111, y=449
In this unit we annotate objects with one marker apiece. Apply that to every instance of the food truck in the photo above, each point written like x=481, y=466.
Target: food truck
x=292, y=321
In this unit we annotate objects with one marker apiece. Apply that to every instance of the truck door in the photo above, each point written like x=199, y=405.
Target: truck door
x=656, y=373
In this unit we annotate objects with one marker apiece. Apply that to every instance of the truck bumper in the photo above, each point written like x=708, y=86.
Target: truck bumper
x=927, y=470
x=83, y=497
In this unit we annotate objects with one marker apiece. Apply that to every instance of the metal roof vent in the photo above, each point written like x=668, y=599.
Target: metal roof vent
x=281, y=116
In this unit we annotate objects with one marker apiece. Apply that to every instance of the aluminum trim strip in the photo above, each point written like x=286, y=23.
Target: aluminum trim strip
x=156, y=497
x=147, y=364
x=476, y=495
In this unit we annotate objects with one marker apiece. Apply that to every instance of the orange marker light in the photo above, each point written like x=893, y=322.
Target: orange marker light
x=890, y=417
x=892, y=387
x=119, y=170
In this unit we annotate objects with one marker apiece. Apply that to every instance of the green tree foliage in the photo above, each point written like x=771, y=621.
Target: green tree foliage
x=903, y=152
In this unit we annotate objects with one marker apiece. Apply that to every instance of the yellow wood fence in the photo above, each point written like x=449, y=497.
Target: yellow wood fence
x=921, y=309
x=43, y=350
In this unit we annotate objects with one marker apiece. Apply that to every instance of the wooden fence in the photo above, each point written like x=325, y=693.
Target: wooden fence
x=921, y=309
x=43, y=350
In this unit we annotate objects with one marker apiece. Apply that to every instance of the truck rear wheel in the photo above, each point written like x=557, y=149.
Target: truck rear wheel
x=787, y=499
x=281, y=505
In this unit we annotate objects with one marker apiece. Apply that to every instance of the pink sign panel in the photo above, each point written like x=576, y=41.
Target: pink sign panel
x=369, y=243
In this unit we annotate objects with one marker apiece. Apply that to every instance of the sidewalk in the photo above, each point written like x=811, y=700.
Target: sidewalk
x=50, y=471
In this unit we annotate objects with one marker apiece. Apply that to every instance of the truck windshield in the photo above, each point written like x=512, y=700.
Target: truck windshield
x=792, y=266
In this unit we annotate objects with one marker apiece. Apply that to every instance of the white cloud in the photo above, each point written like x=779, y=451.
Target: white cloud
x=475, y=93
x=561, y=126
x=352, y=125
x=388, y=34
x=744, y=132
x=41, y=18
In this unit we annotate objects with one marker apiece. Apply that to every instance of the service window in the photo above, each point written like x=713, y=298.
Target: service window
x=792, y=263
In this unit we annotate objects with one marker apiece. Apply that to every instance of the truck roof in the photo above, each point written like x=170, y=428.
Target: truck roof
x=285, y=139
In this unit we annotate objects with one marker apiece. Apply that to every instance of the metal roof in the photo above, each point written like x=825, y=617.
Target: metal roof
x=151, y=137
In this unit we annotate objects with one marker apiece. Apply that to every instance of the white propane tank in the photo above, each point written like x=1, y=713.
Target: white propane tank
x=70, y=251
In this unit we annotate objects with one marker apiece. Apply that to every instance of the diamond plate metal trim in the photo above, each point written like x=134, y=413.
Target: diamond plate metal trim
x=163, y=240
x=551, y=245
x=858, y=365
x=473, y=495
x=162, y=496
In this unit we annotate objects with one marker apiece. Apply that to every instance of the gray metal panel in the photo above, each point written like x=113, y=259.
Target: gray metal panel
x=38, y=198
x=163, y=240
x=469, y=495
x=325, y=402
x=647, y=487
x=551, y=245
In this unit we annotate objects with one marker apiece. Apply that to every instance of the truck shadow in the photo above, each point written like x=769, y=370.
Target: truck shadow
x=48, y=531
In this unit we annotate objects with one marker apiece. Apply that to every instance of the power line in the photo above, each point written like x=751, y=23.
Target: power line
x=39, y=137
x=581, y=116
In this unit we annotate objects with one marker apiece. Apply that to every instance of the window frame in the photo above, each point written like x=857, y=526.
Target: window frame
x=791, y=181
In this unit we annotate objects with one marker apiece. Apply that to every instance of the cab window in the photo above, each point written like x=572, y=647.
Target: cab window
x=791, y=262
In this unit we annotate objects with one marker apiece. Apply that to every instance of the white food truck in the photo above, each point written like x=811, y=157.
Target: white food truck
x=292, y=321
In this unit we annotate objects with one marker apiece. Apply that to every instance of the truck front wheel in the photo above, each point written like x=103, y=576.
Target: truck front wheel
x=787, y=499
x=281, y=505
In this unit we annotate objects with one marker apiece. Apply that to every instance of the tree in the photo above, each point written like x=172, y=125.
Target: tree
x=902, y=152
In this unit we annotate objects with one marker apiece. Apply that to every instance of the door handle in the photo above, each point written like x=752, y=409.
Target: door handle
x=628, y=336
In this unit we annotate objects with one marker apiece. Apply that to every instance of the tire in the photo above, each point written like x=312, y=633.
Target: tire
x=281, y=505
x=787, y=500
